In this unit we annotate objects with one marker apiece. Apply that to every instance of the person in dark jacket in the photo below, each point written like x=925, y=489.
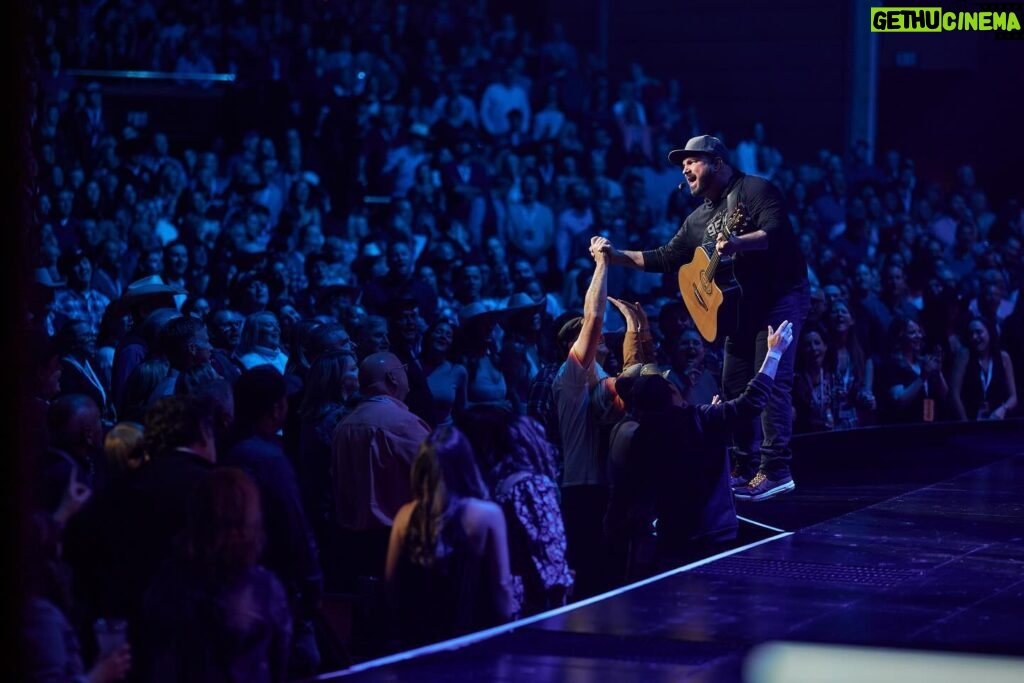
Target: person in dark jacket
x=677, y=471
x=129, y=530
x=261, y=407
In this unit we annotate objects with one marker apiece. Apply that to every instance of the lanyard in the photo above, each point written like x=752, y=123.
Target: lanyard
x=986, y=377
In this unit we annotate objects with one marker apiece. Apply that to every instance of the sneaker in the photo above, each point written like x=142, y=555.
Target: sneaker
x=763, y=488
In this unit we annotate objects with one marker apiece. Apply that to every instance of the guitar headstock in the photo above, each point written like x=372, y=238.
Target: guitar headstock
x=736, y=224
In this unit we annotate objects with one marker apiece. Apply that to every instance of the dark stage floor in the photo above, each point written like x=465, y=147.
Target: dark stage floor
x=899, y=539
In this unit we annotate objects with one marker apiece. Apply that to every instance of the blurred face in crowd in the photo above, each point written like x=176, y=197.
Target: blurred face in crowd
x=913, y=337
x=842, y=319
x=65, y=203
x=833, y=293
x=177, y=260
x=818, y=304
x=441, y=337
x=895, y=281
x=978, y=333
x=534, y=290
x=429, y=277
x=152, y=262
x=407, y=324
x=400, y=259
x=81, y=273
x=691, y=348
x=522, y=272
x=258, y=292
x=269, y=331
x=375, y=338
x=813, y=347
x=863, y=279
x=228, y=326
x=495, y=250
x=471, y=282
x=991, y=297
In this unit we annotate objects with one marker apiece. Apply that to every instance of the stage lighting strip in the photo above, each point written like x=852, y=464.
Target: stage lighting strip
x=470, y=638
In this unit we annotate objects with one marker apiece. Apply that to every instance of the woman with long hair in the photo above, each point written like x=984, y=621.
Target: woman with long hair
x=853, y=372
x=813, y=384
x=447, y=564
x=913, y=383
x=479, y=347
x=983, y=383
x=520, y=349
x=446, y=379
x=214, y=613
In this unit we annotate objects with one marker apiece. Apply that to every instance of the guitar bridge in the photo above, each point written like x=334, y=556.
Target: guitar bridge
x=699, y=298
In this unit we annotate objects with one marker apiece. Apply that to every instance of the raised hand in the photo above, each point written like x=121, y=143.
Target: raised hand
x=636, y=317
x=780, y=339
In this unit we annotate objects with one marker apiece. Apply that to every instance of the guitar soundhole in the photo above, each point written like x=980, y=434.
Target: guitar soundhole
x=705, y=282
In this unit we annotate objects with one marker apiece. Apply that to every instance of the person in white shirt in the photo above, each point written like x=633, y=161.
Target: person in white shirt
x=499, y=99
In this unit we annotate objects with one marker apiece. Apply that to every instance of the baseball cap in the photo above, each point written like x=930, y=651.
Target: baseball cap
x=702, y=145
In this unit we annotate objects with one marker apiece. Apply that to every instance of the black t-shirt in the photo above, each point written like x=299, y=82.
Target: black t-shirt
x=763, y=275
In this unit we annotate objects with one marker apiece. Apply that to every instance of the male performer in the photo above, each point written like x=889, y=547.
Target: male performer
x=773, y=276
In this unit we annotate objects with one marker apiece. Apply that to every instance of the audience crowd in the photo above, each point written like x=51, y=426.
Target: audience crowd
x=364, y=349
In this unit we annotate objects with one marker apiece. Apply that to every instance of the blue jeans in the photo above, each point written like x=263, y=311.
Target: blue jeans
x=764, y=443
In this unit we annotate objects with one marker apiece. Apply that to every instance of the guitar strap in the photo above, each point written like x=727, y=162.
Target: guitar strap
x=732, y=199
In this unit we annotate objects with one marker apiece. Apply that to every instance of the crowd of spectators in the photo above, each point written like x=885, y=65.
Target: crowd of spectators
x=405, y=248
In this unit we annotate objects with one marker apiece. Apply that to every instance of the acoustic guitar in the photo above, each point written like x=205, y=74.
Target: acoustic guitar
x=709, y=287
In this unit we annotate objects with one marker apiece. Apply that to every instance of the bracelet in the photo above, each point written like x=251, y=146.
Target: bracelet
x=774, y=354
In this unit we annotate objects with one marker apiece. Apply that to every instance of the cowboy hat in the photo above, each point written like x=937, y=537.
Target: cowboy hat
x=522, y=303
x=479, y=313
x=149, y=286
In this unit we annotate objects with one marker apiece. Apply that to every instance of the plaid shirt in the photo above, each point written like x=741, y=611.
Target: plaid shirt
x=70, y=304
x=540, y=403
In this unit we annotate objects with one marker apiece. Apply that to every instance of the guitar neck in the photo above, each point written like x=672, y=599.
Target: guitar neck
x=712, y=263
x=714, y=259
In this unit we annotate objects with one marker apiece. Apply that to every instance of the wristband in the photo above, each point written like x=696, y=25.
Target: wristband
x=777, y=355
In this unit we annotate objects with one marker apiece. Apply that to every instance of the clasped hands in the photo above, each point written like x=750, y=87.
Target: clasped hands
x=600, y=245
